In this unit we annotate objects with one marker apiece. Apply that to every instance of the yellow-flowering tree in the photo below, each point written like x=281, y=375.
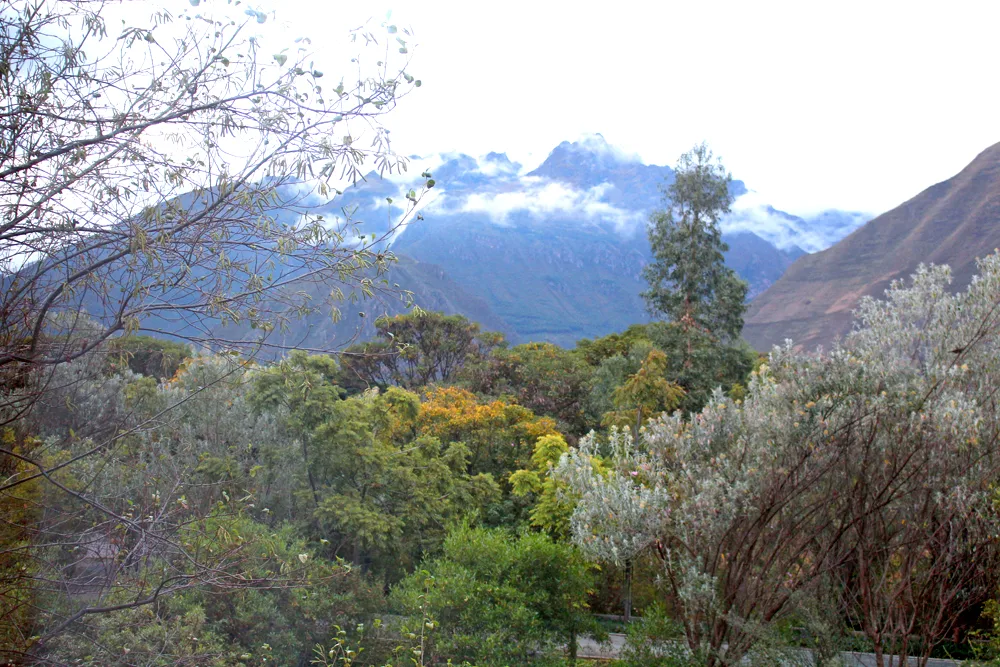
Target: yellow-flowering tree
x=500, y=436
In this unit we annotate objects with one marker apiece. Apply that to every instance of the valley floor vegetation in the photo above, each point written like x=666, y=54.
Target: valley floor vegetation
x=839, y=500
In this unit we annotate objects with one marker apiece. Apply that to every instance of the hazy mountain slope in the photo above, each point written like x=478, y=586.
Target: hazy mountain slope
x=757, y=261
x=566, y=281
x=558, y=284
x=952, y=223
x=557, y=253
x=432, y=290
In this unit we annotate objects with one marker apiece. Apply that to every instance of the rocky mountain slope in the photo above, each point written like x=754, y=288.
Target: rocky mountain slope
x=952, y=223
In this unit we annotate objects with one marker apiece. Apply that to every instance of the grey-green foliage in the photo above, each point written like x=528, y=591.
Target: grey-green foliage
x=183, y=491
x=689, y=282
x=874, y=463
x=176, y=636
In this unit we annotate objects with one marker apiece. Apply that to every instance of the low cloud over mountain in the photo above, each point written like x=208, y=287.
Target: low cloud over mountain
x=593, y=183
x=752, y=213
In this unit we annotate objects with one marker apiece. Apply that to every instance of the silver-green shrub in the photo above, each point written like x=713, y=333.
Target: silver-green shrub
x=873, y=463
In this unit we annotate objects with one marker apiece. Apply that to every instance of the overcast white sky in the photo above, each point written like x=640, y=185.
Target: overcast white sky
x=851, y=105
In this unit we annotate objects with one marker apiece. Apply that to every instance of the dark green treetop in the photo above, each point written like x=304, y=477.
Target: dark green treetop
x=414, y=350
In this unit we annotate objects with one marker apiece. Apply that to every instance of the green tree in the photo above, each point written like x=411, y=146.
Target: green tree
x=416, y=349
x=597, y=350
x=644, y=395
x=385, y=491
x=254, y=626
x=553, y=504
x=501, y=599
x=200, y=484
x=542, y=377
x=146, y=355
x=696, y=362
x=300, y=391
x=500, y=435
x=700, y=363
x=688, y=280
x=371, y=483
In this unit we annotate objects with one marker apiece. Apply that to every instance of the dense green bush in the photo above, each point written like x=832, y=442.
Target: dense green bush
x=145, y=355
x=502, y=599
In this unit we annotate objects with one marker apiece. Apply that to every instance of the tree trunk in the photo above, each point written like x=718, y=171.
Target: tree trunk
x=627, y=602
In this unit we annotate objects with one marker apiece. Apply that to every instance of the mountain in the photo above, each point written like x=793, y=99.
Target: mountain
x=952, y=223
x=187, y=280
x=557, y=252
x=432, y=289
x=552, y=254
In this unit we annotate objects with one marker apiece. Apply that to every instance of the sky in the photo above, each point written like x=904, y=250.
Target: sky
x=850, y=105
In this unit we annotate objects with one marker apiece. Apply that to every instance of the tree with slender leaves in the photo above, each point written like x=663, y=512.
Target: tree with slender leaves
x=416, y=349
x=152, y=179
x=689, y=282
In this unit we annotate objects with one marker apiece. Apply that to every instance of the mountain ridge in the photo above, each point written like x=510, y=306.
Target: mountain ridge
x=952, y=222
x=552, y=254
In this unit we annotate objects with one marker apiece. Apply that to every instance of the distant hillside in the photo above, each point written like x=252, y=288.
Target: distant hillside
x=952, y=223
x=431, y=288
x=556, y=254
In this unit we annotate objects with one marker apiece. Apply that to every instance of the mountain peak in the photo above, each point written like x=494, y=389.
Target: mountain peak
x=595, y=145
x=588, y=161
x=497, y=157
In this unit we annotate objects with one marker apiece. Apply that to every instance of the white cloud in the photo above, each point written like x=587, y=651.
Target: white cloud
x=596, y=143
x=403, y=218
x=497, y=169
x=417, y=165
x=542, y=198
x=752, y=213
x=498, y=190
